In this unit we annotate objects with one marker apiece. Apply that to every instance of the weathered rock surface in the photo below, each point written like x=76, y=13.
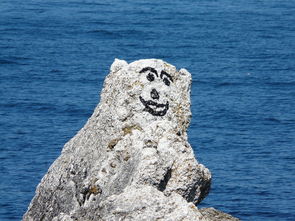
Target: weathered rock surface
x=216, y=215
x=131, y=160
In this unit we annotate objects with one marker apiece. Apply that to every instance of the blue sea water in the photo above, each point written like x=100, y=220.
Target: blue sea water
x=54, y=56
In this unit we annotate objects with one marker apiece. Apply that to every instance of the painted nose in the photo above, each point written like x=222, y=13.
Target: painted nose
x=155, y=94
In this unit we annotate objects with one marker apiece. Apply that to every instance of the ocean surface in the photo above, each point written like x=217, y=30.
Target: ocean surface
x=54, y=56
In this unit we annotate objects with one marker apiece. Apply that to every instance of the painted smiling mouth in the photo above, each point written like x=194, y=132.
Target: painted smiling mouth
x=154, y=108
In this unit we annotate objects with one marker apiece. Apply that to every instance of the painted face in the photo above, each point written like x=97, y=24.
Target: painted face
x=152, y=104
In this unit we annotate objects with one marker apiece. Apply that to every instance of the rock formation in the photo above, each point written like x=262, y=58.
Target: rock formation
x=131, y=160
x=216, y=215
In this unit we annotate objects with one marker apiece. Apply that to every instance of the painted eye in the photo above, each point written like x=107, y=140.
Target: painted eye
x=150, y=77
x=166, y=81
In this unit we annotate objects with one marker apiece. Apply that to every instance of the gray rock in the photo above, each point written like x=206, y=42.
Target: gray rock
x=216, y=215
x=131, y=160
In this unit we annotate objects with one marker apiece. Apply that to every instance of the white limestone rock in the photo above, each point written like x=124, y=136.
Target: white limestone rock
x=143, y=204
x=131, y=160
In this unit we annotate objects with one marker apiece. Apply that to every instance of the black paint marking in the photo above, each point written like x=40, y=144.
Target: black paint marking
x=152, y=106
x=149, y=69
x=164, y=73
x=155, y=94
x=166, y=81
x=165, y=76
x=150, y=77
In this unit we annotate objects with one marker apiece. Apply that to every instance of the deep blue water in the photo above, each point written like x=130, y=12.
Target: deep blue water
x=54, y=56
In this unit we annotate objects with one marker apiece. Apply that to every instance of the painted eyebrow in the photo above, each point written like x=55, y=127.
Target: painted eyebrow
x=149, y=69
x=168, y=75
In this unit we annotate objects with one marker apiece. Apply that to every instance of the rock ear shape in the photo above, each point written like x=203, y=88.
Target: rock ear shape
x=132, y=159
